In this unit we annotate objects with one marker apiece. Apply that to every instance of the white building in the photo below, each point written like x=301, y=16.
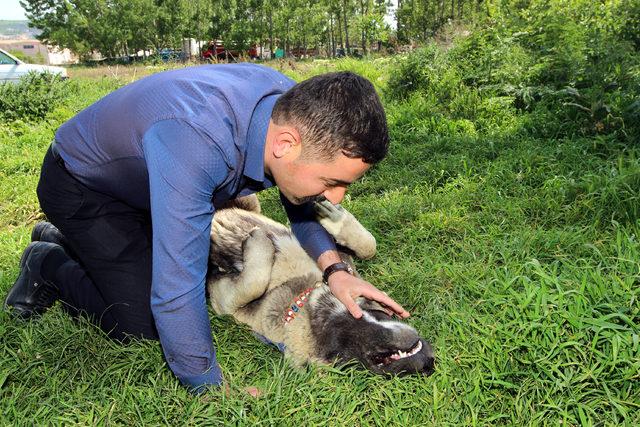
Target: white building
x=32, y=48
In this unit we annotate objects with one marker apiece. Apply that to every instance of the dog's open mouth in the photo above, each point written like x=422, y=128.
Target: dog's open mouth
x=382, y=359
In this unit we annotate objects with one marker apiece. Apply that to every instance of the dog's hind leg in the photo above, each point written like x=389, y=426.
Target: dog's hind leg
x=346, y=229
x=229, y=293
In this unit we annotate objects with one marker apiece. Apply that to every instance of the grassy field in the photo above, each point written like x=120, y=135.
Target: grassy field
x=515, y=248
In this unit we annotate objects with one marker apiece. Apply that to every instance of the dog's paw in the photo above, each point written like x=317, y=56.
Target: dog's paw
x=327, y=210
x=345, y=228
x=258, y=248
x=331, y=217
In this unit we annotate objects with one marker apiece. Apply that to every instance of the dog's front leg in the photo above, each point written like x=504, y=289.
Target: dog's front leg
x=229, y=293
x=346, y=229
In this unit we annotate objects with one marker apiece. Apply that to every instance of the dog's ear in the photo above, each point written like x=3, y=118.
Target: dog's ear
x=367, y=304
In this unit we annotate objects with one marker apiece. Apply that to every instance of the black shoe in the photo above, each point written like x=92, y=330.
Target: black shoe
x=31, y=294
x=46, y=232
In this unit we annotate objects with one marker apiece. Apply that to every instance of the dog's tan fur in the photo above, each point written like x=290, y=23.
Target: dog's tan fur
x=272, y=257
x=261, y=269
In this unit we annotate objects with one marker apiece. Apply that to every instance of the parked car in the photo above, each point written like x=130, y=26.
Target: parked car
x=167, y=55
x=11, y=68
x=216, y=50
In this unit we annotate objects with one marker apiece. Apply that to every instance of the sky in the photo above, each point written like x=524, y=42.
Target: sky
x=11, y=10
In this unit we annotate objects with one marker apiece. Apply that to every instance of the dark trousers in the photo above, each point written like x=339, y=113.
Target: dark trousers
x=111, y=241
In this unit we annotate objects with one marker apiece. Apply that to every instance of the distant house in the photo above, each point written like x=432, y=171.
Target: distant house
x=40, y=52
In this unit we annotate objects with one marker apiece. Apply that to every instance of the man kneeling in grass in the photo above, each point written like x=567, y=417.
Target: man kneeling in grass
x=131, y=183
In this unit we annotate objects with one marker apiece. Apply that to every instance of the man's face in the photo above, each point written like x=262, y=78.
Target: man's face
x=303, y=181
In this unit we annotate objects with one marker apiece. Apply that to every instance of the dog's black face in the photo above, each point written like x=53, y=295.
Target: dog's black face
x=380, y=343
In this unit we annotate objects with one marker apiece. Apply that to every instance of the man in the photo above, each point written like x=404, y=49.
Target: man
x=131, y=183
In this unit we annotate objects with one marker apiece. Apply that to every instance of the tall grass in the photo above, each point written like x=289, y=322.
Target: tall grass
x=516, y=252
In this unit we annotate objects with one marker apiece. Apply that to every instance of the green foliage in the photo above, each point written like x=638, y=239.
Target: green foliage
x=517, y=256
x=35, y=59
x=33, y=97
x=602, y=196
x=112, y=27
x=119, y=28
x=627, y=18
x=20, y=55
x=507, y=217
x=422, y=71
x=547, y=68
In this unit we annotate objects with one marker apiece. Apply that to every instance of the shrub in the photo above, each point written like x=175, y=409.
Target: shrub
x=425, y=70
x=493, y=57
x=629, y=28
x=33, y=97
x=551, y=69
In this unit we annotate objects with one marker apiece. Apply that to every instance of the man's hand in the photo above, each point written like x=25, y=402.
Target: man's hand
x=347, y=288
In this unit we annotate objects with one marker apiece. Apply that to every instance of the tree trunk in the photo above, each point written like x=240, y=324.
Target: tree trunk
x=304, y=43
x=261, y=37
x=399, y=22
x=340, y=40
x=363, y=11
x=286, y=39
x=333, y=37
x=426, y=25
x=346, y=26
x=272, y=53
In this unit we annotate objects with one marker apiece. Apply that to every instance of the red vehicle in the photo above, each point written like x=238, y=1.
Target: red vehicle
x=216, y=50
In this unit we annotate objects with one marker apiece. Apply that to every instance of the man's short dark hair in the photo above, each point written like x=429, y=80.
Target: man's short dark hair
x=336, y=112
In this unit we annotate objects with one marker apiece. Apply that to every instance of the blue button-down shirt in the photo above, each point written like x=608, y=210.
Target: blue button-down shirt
x=178, y=143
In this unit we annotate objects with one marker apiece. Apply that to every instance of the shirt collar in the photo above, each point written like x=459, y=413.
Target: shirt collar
x=256, y=138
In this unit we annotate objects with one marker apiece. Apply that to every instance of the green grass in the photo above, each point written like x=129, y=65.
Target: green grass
x=518, y=257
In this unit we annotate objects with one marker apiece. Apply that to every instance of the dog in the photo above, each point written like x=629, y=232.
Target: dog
x=262, y=277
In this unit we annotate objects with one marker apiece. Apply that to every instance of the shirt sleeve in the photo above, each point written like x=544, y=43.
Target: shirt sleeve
x=185, y=168
x=312, y=236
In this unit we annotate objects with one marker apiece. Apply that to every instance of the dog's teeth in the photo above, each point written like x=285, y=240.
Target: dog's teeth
x=399, y=354
x=416, y=349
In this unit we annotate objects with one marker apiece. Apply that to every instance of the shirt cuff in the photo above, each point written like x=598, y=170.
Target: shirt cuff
x=198, y=383
x=280, y=346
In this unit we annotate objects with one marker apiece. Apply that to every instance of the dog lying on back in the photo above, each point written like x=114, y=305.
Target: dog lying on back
x=264, y=279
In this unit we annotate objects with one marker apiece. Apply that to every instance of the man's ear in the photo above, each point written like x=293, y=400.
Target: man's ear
x=286, y=142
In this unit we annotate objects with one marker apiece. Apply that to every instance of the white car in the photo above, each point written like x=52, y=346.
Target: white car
x=12, y=69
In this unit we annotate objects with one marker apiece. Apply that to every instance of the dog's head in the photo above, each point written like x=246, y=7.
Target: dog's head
x=378, y=341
